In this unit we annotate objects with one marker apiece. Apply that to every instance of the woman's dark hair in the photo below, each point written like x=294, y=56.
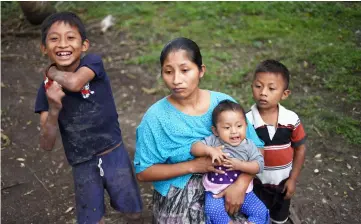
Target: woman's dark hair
x=276, y=67
x=226, y=105
x=186, y=44
x=66, y=17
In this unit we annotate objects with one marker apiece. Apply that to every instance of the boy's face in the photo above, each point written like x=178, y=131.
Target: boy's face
x=231, y=127
x=269, y=89
x=64, y=45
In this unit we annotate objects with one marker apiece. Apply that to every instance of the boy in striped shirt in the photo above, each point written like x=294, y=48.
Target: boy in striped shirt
x=283, y=135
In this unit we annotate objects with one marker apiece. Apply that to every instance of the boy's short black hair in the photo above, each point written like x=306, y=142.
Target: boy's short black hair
x=226, y=105
x=66, y=17
x=276, y=67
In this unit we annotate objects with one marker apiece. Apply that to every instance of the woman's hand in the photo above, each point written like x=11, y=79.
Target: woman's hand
x=234, y=194
x=204, y=165
x=233, y=198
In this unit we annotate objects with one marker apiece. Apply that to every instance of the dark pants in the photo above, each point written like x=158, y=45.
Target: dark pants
x=273, y=198
x=113, y=172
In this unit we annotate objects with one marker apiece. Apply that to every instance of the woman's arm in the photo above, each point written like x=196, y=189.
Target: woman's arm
x=167, y=171
x=72, y=81
x=235, y=193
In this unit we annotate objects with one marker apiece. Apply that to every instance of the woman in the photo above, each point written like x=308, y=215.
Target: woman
x=166, y=134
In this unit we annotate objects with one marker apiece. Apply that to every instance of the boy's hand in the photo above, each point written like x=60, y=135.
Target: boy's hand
x=231, y=163
x=290, y=188
x=54, y=94
x=216, y=154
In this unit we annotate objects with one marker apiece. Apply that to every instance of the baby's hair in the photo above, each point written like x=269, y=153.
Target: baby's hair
x=276, y=67
x=66, y=17
x=226, y=105
x=186, y=44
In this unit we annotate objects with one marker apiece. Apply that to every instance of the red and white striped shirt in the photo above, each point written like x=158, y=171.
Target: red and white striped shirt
x=279, y=142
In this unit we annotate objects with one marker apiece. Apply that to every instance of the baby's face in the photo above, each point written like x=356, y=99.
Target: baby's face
x=64, y=45
x=231, y=127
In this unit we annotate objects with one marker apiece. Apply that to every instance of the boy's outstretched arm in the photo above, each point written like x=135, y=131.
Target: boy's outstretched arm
x=72, y=81
x=49, y=119
x=298, y=160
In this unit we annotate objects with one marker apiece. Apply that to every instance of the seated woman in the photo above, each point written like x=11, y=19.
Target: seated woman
x=167, y=132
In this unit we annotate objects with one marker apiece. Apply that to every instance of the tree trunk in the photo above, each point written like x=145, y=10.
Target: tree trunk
x=36, y=11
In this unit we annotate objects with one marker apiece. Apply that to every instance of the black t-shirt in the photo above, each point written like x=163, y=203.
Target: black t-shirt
x=88, y=121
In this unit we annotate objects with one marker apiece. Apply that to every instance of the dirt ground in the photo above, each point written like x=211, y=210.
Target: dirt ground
x=37, y=186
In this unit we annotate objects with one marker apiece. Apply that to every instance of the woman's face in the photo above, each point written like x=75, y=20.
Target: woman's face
x=180, y=74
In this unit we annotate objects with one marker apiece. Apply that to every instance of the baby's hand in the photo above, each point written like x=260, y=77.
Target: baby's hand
x=216, y=154
x=231, y=163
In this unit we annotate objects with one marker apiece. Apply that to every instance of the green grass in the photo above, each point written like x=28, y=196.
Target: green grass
x=9, y=9
x=318, y=41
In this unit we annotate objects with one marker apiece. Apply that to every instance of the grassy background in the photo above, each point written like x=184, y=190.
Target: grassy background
x=320, y=42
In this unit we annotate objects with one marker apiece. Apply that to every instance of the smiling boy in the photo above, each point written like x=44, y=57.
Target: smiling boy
x=78, y=98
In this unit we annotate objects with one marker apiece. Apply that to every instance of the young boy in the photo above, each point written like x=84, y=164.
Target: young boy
x=77, y=96
x=283, y=135
x=229, y=129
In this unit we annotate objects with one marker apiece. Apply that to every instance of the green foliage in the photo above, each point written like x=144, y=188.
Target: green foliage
x=9, y=9
x=318, y=41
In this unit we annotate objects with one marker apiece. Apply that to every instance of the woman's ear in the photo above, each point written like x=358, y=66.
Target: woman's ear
x=202, y=71
x=285, y=94
x=214, y=130
x=85, y=45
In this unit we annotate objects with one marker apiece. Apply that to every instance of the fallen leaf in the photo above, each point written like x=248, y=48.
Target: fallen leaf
x=29, y=192
x=305, y=64
x=5, y=140
x=28, y=123
x=149, y=91
x=20, y=159
x=351, y=188
x=330, y=170
x=348, y=166
x=60, y=165
x=355, y=157
x=69, y=209
x=318, y=156
x=131, y=76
